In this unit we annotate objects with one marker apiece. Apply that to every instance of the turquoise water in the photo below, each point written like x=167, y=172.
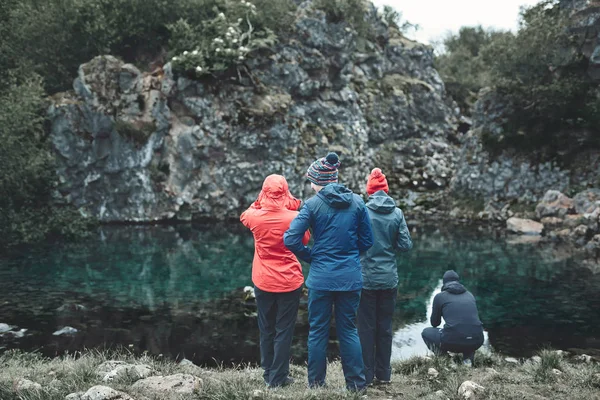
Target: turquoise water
x=178, y=291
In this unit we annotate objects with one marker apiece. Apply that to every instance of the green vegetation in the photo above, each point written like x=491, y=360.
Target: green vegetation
x=411, y=380
x=537, y=73
x=463, y=64
x=28, y=177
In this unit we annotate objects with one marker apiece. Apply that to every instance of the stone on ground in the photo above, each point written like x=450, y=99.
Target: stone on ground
x=511, y=360
x=25, y=384
x=169, y=385
x=99, y=393
x=470, y=390
x=128, y=371
x=554, y=204
x=587, y=201
x=432, y=372
x=524, y=226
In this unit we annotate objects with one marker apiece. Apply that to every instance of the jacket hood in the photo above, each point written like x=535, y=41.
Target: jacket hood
x=454, y=287
x=450, y=276
x=275, y=195
x=451, y=283
x=381, y=203
x=336, y=195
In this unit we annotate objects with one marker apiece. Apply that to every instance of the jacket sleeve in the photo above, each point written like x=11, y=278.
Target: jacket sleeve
x=365, y=232
x=436, y=312
x=293, y=237
x=404, y=240
x=246, y=217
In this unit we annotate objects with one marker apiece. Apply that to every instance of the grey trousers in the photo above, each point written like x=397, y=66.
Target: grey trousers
x=277, y=313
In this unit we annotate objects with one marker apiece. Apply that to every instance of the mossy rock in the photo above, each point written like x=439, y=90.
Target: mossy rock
x=398, y=84
x=137, y=131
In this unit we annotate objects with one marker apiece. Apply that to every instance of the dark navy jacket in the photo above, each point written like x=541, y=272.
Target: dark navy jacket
x=341, y=231
x=458, y=308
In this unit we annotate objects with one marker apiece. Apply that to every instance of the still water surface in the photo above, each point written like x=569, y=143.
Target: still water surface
x=178, y=291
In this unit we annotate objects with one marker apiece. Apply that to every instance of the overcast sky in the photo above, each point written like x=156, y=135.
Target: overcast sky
x=436, y=17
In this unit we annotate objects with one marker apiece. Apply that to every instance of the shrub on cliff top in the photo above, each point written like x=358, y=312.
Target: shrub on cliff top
x=219, y=43
x=54, y=37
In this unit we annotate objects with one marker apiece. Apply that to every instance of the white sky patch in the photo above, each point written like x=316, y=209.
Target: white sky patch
x=437, y=17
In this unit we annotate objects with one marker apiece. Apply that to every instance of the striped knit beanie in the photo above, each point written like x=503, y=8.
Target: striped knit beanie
x=325, y=170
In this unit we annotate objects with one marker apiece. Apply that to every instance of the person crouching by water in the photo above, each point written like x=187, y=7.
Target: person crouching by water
x=341, y=230
x=380, y=279
x=463, y=331
x=277, y=276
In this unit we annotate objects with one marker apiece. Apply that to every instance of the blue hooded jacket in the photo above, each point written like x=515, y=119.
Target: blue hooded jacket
x=341, y=231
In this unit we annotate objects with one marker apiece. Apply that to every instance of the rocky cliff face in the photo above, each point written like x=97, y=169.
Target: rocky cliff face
x=135, y=146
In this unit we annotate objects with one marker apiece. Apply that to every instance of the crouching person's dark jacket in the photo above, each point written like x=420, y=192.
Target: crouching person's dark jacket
x=459, y=309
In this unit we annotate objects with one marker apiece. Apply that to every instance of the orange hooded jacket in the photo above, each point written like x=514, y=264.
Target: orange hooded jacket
x=275, y=268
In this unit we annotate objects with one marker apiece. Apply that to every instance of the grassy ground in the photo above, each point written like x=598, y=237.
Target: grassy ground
x=412, y=378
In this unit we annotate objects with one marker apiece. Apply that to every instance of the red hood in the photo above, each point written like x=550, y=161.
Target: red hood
x=275, y=195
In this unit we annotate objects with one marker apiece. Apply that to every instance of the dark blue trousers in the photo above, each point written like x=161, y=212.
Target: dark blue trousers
x=345, y=306
x=277, y=313
x=375, y=330
x=433, y=339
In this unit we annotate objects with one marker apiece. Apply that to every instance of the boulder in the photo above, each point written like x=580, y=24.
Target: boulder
x=172, y=385
x=4, y=327
x=584, y=358
x=554, y=204
x=25, y=385
x=562, y=234
x=100, y=393
x=552, y=222
x=512, y=360
x=587, y=201
x=572, y=221
x=66, y=331
x=188, y=367
x=128, y=371
x=580, y=231
x=524, y=226
x=470, y=390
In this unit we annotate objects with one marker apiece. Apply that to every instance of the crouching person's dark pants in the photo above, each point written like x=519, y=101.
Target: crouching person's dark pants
x=433, y=339
x=277, y=313
x=375, y=331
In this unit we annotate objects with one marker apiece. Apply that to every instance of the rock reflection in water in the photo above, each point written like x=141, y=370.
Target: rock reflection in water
x=177, y=291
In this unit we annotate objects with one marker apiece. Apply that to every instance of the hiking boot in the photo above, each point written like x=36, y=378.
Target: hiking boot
x=287, y=382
